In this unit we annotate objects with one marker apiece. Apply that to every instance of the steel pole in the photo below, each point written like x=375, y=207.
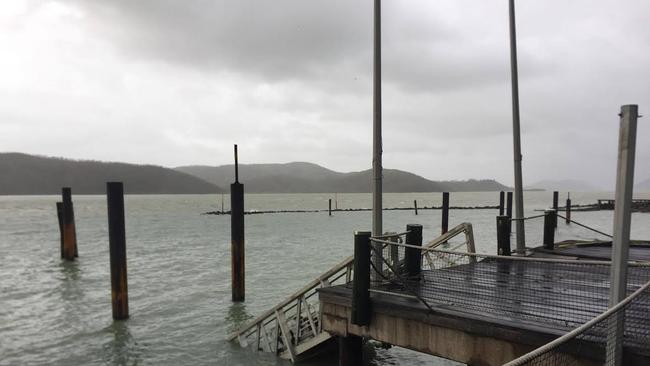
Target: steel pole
x=622, y=219
x=376, y=132
x=516, y=135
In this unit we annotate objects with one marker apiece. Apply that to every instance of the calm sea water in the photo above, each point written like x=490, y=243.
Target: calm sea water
x=57, y=312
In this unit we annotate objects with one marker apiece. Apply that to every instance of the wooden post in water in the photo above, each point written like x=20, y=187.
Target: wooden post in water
x=361, y=279
x=501, y=202
x=412, y=256
x=509, y=205
x=117, y=249
x=415, y=206
x=350, y=350
x=237, y=235
x=567, y=208
x=330, y=207
x=59, y=216
x=69, y=230
x=445, y=213
x=503, y=235
x=550, y=220
x=556, y=199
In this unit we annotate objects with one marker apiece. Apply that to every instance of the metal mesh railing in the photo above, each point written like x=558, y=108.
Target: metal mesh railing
x=555, y=295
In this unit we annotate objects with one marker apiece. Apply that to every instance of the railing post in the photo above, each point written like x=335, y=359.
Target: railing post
x=117, y=249
x=412, y=256
x=509, y=205
x=556, y=198
x=69, y=229
x=501, y=202
x=503, y=235
x=550, y=218
x=567, y=215
x=622, y=220
x=361, y=279
x=445, y=213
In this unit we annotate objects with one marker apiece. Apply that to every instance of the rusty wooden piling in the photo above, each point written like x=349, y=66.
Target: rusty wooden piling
x=329, y=210
x=509, y=204
x=503, y=235
x=550, y=220
x=445, y=213
x=360, y=313
x=70, y=251
x=350, y=350
x=117, y=249
x=567, y=207
x=415, y=206
x=556, y=198
x=237, y=235
x=501, y=202
x=59, y=216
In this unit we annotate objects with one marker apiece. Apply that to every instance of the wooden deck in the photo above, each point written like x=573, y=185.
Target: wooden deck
x=514, y=306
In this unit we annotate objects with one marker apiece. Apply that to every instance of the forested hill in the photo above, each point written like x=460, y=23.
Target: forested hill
x=23, y=174
x=301, y=177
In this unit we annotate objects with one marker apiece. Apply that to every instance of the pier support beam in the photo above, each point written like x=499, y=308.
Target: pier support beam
x=503, y=235
x=444, y=227
x=59, y=216
x=509, y=205
x=567, y=207
x=70, y=251
x=556, y=199
x=237, y=236
x=360, y=314
x=350, y=350
x=412, y=256
x=622, y=220
x=329, y=209
x=117, y=249
x=501, y=202
x=550, y=221
x=415, y=206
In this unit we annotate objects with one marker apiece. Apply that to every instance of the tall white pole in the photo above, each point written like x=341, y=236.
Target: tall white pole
x=376, y=131
x=516, y=135
x=622, y=219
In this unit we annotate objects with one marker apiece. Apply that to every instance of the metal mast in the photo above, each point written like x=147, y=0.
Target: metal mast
x=376, y=125
x=516, y=134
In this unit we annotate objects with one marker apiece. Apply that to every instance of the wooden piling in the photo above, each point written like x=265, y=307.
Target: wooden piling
x=412, y=256
x=415, y=206
x=509, y=204
x=556, y=198
x=445, y=213
x=117, y=249
x=567, y=207
x=550, y=220
x=503, y=235
x=501, y=202
x=237, y=235
x=59, y=216
x=330, y=207
x=69, y=230
x=350, y=350
x=361, y=279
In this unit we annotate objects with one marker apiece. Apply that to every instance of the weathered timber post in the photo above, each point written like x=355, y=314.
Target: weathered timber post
x=350, y=350
x=237, y=235
x=622, y=220
x=568, y=209
x=556, y=198
x=415, y=206
x=59, y=216
x=412, y=256
x=503, y=235
x=509, y=205
x=117, y=249
x=550, y=218
x=69, y=229
x=330, y=207
x=501, y=202
x=361, y=279
x=445, y=213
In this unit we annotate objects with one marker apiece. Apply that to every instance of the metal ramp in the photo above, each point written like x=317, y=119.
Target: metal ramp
x=292, y=329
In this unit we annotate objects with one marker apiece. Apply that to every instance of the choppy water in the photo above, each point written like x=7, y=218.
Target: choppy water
x=57, y=312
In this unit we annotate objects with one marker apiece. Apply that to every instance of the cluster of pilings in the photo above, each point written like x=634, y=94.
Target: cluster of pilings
x=116, y=242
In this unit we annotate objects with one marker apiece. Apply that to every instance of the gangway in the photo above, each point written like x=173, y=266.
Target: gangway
x=292, y=329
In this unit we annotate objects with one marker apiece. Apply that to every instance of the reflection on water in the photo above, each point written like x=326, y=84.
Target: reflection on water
x=70, y=270
x=123, y=348
x=237, y=316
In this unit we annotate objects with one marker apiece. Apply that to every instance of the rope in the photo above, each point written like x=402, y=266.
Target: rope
x=585, y=226
x=528, y=218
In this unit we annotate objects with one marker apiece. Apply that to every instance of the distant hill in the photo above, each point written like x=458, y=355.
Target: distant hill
x=301, y=177
x=24, y=174
x=566, y=185
x=643, y=186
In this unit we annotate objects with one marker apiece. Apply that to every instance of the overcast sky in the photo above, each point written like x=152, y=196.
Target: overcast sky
x=178, y=82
